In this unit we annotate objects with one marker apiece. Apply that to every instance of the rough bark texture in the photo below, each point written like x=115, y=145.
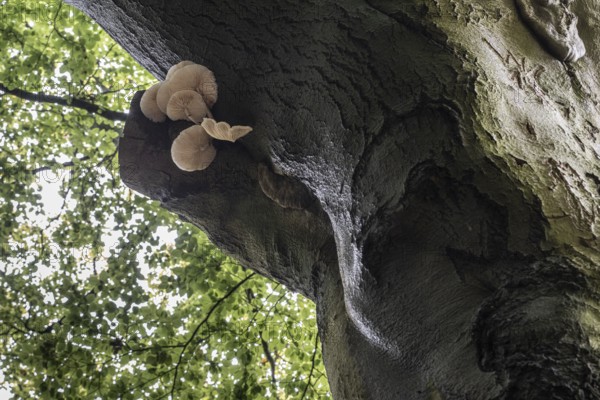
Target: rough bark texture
x=446, y=169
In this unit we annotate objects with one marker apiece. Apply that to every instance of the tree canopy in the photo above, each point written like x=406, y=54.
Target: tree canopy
x=103, y=294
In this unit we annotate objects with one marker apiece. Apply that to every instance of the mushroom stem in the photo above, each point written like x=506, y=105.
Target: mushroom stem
x=195, y=120
x=191, y=118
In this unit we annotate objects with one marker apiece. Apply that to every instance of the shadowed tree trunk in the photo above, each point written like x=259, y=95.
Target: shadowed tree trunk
x=435, y=175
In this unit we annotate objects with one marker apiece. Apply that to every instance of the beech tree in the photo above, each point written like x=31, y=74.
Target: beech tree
x=432, y=171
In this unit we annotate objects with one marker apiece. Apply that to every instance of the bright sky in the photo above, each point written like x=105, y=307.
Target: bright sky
x=4, y=394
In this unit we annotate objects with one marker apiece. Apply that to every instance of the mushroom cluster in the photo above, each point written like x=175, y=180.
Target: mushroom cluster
x=188, y=93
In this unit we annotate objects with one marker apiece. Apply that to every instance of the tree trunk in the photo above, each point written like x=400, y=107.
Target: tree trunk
x=434, y=166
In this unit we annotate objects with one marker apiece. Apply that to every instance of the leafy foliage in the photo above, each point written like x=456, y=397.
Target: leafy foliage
x=95, y=301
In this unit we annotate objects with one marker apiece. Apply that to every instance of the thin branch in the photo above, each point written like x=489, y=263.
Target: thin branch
x=312, y=367
x=153, y=379
x=108, y=157
x=87, y=81
x=141, y=349
x=37, y=62
x=276, y=303
x=269, y=357
x=208, y=315
x=112, y=91
x=68, y=102
x=254, y=315
x=13, y=328
x=62, y=207
x=47, y=329
x=68, y=164
x=64, y=165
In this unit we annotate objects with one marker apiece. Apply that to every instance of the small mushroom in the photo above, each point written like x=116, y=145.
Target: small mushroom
x=176, y=67
x=192, y=77
x=192, y=150
x=187, y=105
x=223, y=131
x=148, y=104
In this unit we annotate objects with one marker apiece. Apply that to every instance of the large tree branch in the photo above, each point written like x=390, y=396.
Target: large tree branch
x=67, y=102
x=437, y=161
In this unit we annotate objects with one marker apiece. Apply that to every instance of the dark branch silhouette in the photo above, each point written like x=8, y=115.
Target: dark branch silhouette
x=312, y=367
x=67, y=102
x=208, y=314
x=269, y=358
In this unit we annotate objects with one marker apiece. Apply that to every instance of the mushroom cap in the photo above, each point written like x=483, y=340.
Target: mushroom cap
x=187, y=105
x=164, y=93
x=149, y=106
x=177, y=67
x=223, y=131
x=195, y=77
x=192, y=150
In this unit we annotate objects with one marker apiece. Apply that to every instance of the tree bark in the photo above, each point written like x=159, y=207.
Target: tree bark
x=445, y=165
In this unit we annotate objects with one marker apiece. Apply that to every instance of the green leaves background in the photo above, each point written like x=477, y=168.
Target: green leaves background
x=103, y=294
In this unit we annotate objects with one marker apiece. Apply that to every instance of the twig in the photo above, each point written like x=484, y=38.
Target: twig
x=312, y=367
x=13, y=328
x=269, y=357
x=131, y=389
x=249, y=325
x=141, y=349
x=87, y=81
x=64, y=165
x=208, y=315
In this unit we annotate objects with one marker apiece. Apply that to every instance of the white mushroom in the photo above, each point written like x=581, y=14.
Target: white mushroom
x=177, y=67
x=187, y=105
x=192, y=150
x=192, y=77
x=223, y=131
x=148, y=104
x=164, y=94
